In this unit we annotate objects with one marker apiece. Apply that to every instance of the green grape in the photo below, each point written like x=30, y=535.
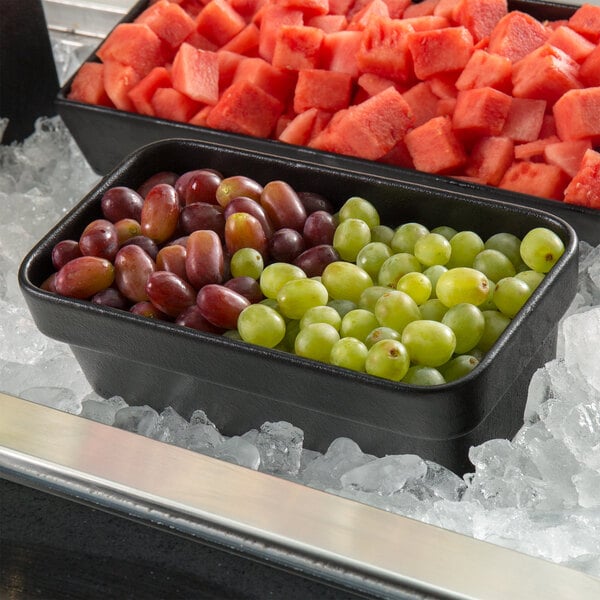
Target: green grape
x=429, y=343
x=467, y=322
x=372, y=256
x=416, y=285
x=370, y=296
x=488, y=304
x=350, y=353
x=388, y=359
x=462, y=284
x=233, y=334
x=458, y=367
x=298, y=295
x=422, y=375
x=446, y=231
x=359, y=208
x=261, y=325
x=247, y=262
x=531, y=278
x=292, y=327
x=275, y=275
x=395, y=266
x=541, y=249
x=495, y=324
x=358, y=323
x=432, y=249
x=433, y=310
x=381, y=333
x=382, y=233
x=510, y=295
x=466, y=245
x=477, y=353
x=494, y=264
x=350, y=237
x=433, y=274
x=342, y=306
x=316, y=341
x=271, y=303
x=345, y=281
x=396, y=309
x=507, y=243
x=406, y=235
x=321, y=314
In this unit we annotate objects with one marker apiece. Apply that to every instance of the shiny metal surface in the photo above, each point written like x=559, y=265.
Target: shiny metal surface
x=85, y=18
x=264, y=517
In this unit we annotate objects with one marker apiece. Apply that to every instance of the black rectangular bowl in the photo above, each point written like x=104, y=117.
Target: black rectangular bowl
x=240, y=386
x=107, y=135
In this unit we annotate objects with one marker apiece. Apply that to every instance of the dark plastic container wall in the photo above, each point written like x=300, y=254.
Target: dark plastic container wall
x=240, y=386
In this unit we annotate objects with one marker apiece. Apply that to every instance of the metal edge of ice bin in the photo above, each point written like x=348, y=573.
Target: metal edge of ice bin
x=296, y=528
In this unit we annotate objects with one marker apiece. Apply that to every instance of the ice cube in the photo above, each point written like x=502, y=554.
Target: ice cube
x=102, y=411
x=587, y=483
x=137, y=419
x=169, y=426
x=198, y=437
x=238, y=451
x=495, y=458
x=582, y=350
x=280, y=447
x=581, y=432
x=53, y=396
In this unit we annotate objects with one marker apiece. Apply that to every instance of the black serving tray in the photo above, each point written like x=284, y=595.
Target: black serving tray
x=240, y=386
x=107, y=135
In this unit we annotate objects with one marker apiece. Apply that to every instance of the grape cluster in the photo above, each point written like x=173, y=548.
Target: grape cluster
x=280, y=269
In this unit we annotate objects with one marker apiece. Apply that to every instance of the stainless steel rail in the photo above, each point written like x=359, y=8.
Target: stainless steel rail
x=270, y=519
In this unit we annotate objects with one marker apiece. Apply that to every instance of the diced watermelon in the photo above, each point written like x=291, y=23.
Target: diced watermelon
x=200, y=42
x=191, y=7
x=589, y=73
x=489, y=159
x=141, y=93
x=480, y=16
x=228, y=64
x=486, y=70
x=367, y=130
x=535, y=178
x=396, y=8
x=440, y=50
x=516, y=35
x=427, y=23
x=169, y=21
x=278, y=83
x=586, y=21
x=273, y=18
x=567, y=155
x=247, y=8
x=525, y=119
x=443, y=85
x=445, y=107
x=169, y=103
x=219, y=22
x=195, y=73
x=480, y=112
x=299, y=129
x=420, y=9
x=373, y=8
x=88, y=85
x=571, y=42
x=434, y=147
x=308, y=7
x=548, y=126
x=373, y=84
x=445, y=8
x=245, y=42
x=398, y=156
x=576, y=115
x=118, y=80
x=340, y=7
x=135, y=45
x=245, y=108
x=384, y=49
x=297, y=47
x=328, y=23
x=584, y=188
x=422, y=101
x=201, y=116
x=534, y=150
x=339, y=51
x=546, y=74
x=325, y=90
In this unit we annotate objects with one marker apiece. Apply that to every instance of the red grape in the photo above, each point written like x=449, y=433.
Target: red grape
x=84, y=276
x=205, y=262
x=221, y=305
x=133, y=267
x=199, y=185
x=283, y=206
x=99, y=238
x=160, y=213
x=64, y=251
x=169, y=293
x=121, y=202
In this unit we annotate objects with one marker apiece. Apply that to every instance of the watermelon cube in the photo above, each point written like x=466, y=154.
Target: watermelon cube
x=308, y=7
x=141, y=94
x=420, y=9
x=546, y=74
x=278, y=83
x=169, y=21
x=195, y=73
x=589, y=73
x=118, y=80
x=169, y=103
x=245, y=108
x=340, y=50
x=534, y=150
x=274, y=17
x=384, y=49
x=200, y=117
x=535, y=178
x=228, y=64
x=359, y=19
x=297, y=47
x=396, y=8
x=434, y=147
x=584, y=188
x=586, y=21
x=567, y=155
x=88, y=85
x=489, y=159
x=576, y=115
x=524, y=120
x=245, y=42
x=321, y=89
x=440, y=50
x=328, y=23
x=486, y=70
x=479, y=16
x=571, y=42
x=372, y=84
x=480, y=112
x=422, y=101
x=219, y=22
x=516, y=35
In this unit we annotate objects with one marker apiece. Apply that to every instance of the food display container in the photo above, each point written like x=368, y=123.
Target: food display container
x=106, y=136
x=240, y=386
